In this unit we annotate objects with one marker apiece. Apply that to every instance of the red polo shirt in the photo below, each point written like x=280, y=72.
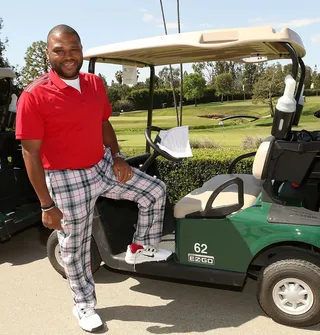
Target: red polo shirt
x=68, y=122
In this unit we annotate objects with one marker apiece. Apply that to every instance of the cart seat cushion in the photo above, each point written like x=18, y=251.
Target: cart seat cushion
x=260, y=159
x=197, y=199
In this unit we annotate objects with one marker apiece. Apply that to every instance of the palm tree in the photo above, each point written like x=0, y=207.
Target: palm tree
x=119, y=77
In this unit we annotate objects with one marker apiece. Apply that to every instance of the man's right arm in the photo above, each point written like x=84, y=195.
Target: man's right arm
x=32, y=159
x=31, y=155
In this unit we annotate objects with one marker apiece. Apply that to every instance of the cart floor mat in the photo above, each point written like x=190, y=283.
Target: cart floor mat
x=168, y=242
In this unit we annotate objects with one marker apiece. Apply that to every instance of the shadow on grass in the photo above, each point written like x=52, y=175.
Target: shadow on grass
x=269, y=124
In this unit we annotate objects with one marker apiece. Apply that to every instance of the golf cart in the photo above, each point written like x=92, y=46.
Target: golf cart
x=19, y=205
x=264, y=225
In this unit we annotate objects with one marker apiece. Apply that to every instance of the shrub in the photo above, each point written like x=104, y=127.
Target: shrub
x=140, y=98
x=122, y=105
x=204, y=143
x=311, y=92
x=184, y=176
x=252, y=142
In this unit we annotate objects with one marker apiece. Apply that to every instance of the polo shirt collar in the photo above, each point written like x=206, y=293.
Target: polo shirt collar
x=61, y=84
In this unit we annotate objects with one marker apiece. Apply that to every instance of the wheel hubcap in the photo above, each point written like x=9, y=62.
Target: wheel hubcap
x=57, y=254
x=293, y=296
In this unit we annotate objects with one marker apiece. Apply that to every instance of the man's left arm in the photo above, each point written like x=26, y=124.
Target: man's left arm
x=121, y=169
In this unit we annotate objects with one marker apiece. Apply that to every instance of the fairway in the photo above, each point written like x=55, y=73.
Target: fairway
x=130, y=126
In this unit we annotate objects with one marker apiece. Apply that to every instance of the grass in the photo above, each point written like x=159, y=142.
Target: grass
x=130, y=126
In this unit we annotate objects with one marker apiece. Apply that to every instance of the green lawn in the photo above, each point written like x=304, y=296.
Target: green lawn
x=129, y=127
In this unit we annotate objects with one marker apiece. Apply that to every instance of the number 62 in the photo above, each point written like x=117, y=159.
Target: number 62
x=200, y=248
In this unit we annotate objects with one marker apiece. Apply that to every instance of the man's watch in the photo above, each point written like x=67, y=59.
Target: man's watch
x=119, y=154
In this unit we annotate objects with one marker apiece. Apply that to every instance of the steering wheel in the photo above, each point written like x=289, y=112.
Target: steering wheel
x=305, y=136
x=157, y=151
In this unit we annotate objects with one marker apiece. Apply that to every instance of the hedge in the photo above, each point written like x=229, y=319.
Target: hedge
x=140, y=98
x=191, y=173
x=311, y=92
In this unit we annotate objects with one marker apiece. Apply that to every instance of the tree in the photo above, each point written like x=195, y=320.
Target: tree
x=118, y=91
x=314, y=76
x=114, y=93
x=157, y=83
x=17, y=81
x=251, y=73
x=206, y=69
x=221, y=67
x=239, y=84
x=269, y=85
x=165, y=80
x=287, y=69
x=194, y=86
x=104, y=80
x=224, y=84
x=317, y=83
x=234, y=69
x=119, y=76
x=315, y=80
x=139, y=85
x=3, y=43
x=37, y=62
x=308, y=78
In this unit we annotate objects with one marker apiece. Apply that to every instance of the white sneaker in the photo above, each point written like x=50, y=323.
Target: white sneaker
x=88, y=319
x=147, y=254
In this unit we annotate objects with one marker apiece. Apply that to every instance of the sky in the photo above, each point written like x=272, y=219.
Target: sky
x=101, y=22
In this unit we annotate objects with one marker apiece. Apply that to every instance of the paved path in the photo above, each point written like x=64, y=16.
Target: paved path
x=36, y=300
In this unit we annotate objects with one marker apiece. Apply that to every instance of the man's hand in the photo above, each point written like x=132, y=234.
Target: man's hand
x=52, y=218
x=122, y=170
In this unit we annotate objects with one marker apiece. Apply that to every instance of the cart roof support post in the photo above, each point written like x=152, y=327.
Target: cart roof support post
x=297, y=114
x=4, y=110
x=295, y=66
x=92, y=64
x=150, y=108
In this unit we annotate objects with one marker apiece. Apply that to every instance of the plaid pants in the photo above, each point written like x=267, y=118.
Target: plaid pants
x=75, y=193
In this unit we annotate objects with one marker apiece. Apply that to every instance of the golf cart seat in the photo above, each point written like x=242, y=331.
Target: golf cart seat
x=195, y=203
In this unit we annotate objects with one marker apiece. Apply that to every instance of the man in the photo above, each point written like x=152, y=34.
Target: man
x=72, y=157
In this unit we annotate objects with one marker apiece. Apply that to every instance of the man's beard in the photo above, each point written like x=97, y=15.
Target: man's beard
x=58, y=68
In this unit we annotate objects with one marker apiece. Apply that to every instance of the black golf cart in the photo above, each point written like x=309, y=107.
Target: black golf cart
x=264, y=225
x=19, y=205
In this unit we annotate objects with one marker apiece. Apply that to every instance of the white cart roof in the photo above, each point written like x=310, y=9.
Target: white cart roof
x=6, y=73
x=213, y=45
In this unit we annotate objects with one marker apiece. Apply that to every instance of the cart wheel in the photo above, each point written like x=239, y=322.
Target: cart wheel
x=289, y=292
x=53, y=252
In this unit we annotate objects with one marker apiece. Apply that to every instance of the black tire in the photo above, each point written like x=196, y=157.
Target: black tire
x=301, y=270
x=53, y=242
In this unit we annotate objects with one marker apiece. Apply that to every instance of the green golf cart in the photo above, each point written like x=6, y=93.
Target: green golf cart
x=264, y=225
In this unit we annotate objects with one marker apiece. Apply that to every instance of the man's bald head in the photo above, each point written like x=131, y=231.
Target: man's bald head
x=64, y=51
x=62, y=29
